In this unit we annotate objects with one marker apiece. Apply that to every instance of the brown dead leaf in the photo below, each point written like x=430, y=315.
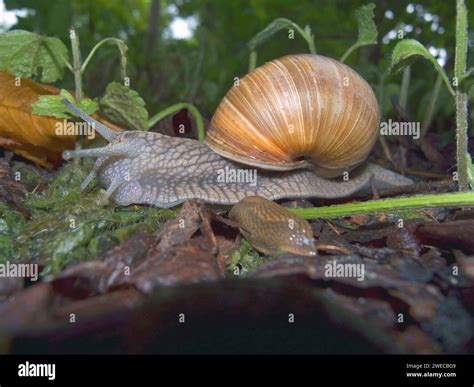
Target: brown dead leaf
x=10, y=285
x=183, y=264
x=359, y=220
x=184, y=251
x=414, y=340
x=95, y=307
x=467, y=265
x=27, y=308
x=456, y=235
x=25, y=133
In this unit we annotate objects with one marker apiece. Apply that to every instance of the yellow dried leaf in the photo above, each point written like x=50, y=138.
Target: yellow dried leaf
x=24, y=133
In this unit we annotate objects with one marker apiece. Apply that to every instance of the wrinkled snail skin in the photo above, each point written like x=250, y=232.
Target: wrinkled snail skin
x=296, y=121
x=151, y=168
x=272, y=229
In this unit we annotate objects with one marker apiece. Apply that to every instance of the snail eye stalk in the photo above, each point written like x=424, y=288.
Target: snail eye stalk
x=103, y=130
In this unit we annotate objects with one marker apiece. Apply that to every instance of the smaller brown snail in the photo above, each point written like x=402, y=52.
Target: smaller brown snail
x=294, y=124
x=271, y=228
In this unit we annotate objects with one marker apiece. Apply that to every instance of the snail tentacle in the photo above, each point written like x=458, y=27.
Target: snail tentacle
x=117, y=149
x=92, y=174
x=114, y=185
x=104, y=131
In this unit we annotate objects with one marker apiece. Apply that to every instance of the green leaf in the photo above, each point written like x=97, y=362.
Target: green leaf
x=25, y=53
x=367, y=29
x=366, y=26
x=407, y=51
x=52, y=105
x=124, y=106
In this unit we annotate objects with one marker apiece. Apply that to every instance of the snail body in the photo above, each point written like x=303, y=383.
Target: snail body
x=316, y=128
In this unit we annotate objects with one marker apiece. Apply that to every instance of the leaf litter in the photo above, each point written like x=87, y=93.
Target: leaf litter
x=119, y=264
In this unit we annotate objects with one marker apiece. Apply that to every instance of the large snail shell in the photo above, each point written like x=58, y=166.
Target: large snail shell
x=297, y=111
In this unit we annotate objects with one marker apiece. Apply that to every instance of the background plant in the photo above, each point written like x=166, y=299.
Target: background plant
x=409, y=49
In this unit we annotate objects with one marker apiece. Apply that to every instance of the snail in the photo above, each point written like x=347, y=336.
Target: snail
x=288, y=129
x=271, y=228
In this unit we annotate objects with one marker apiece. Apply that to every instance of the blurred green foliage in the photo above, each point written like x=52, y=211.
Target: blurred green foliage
x=200, y=69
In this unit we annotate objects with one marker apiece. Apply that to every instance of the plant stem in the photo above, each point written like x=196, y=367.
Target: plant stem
x=176, y=108
x=453, y=199
x=381, y=92
x=380, y=98
x=349, y=51
x=428, y=119
x=461, y=141
x=309, y=39
x=76, y=69
x=253, y=60
x=402, y=101
x=461, y=98
x=122, y=49
x=461, y=40
x=275, y=26
x=76, y=63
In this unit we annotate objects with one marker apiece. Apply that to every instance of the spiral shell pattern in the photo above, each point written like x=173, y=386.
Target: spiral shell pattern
x=297, y=111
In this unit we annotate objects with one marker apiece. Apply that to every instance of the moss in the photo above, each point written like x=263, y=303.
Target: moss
x=246, y=258
x=68, y=226
x=30, y=175
x=63, y=191
x=11, y=226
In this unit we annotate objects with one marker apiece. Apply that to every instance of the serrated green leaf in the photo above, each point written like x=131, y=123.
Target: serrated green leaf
x=366, y=26
x=407, y=51
x=24, y=53
x=367, y=30
x=124, y=106
x=52, y=105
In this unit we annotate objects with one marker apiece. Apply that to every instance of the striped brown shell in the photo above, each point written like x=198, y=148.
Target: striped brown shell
x=297, y=111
